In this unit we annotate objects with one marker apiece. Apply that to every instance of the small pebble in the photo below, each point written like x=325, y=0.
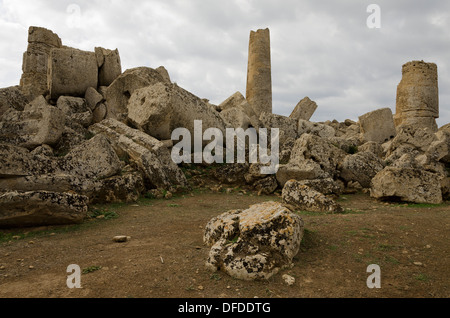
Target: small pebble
x=121, y=239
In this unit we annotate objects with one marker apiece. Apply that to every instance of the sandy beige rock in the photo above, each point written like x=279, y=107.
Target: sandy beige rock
x=259, y=76
x=109, y=65
x=71, y=72
x=12, y=98
x=161, y=108
x=301, y=197
x=119, y=92
x=407, y=184
x=150, y=155
x=418, y=95
x=40, y=208
x=38, y=124
x=361, y=168
x=35, y=61
x=377, y=126
x=304, y=110
x=255, y=243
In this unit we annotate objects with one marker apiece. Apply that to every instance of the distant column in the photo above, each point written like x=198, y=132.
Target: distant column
x=418, y=95
x=259, y=76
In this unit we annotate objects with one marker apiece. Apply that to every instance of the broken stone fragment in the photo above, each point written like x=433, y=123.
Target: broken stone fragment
x=303, y=198
x=304, y=110
x=39, y=123
x=407, y=184
x=377, y=126
x=255, y=243
x=109, y=65
x=39, y=208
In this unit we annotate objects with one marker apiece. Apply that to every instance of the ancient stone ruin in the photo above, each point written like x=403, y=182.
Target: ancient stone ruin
x=79, y=131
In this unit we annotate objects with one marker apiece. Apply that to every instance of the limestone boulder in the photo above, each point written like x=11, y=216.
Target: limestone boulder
x=12, y=98
x=151, y=156
x=119, y=92
x=253, y=244
x=94, y=158
x=304, y=110
x=34, y=80
x=109, y=65
x=300, y=197
x=378, y=126
x=312, y=157
x=361, y=167
x=71, y=72
x=37, y=208
x=317, y=129
x=287, y=126
x=39, y=123
x=325, y=186
x=407, y=184
x=161, y=108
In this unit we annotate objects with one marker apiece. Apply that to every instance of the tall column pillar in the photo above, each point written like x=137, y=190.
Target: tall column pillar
x=259, y=75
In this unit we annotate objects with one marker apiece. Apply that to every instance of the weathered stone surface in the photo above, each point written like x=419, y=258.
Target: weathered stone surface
x=150, y=155
x=267, y=185
x=325, y=186
x=99, y=113
x=35, y=61
x=317, y=129
x=377, y=126
x=304, y=110
x=361, y=167
x=109, y=65
x=407, y=184
x=409, y=138
x=418, y=96
x=312, y=157
x=287, y=126
x=93, y=98
x=259, y=75
x=161, y=108
x=119, y=92
x=38, y=124
x=71, y=72
x=95, y=158
x=12, y=98
x=301, y=197
x=232, y=173
x=41, y=208
x=373, y=147
x=236, y=118
x=122, y=188
x=255, y=243
x=70, y=105
x=164, y=73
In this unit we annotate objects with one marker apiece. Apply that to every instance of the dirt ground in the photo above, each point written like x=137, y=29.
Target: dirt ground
x=165, y=256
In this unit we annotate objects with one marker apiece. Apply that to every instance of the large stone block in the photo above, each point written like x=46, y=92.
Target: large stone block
x=109, y=65
x=35, y=61
x=40, y=208
x=38, y=124
x=255, y=243
x=378, y=126
x=407, y=184
x=418, y=95
x=119, y=92
x=71, y=72
x=304, y=110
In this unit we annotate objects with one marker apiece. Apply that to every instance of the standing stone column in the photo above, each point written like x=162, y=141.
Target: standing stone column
x=259, y=76
x=35, y=61
x=418, y=95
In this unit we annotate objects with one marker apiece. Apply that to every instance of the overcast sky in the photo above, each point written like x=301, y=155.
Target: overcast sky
x=320, y=49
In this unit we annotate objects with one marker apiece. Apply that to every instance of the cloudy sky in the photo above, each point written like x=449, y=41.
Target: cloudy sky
x=320, y=49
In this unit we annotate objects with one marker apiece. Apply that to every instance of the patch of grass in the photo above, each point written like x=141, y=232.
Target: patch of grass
x=350, y=211
x=104, y=213
x=173, y=205
x=386, y=247
x=215, y=277
x=333, y=247
x=24, y=234
x=391, y=259
x=421, y=277
x=91, y=269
